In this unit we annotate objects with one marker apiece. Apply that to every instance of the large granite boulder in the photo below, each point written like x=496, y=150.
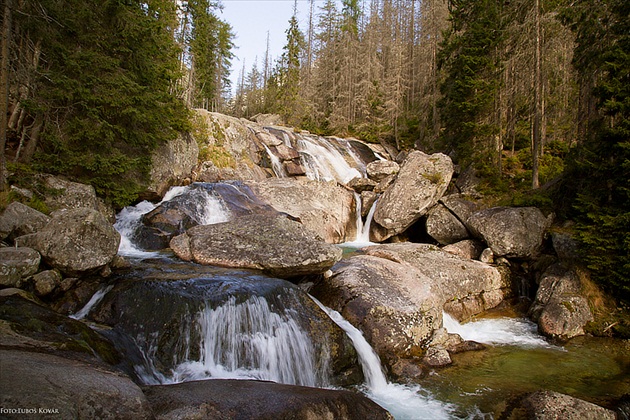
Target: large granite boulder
x=64, y=194
x=234, y=399
x=274, y=244
x=17, y=264
x=381, y=169
x=560, y=308
x=512, y=232
x=19, y=219
x=171, y=164
x=323, y=207
x=421, y=182
x=76, y=241
x=395, y=306
x=464, y=287
x=444, y=226
x=395, y=294
x=549, y=405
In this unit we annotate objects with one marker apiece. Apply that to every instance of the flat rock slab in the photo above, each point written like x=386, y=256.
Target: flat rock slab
x=240, y=399
x=276, y=245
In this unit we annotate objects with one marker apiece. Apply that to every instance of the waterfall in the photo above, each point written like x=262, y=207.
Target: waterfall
x=507, y=331
x=323, y=162
x=402, y=401
x=249, y=340
x=363, y=229
x=276, y=164
x=94, y=300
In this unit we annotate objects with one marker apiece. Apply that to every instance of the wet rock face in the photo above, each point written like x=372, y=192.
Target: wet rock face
x=200, y=204
x=67, y=388
x=421, y=182
x=223, y=399
x=76, y=241
x=162, y=308
x=511, y=232
x=276, y=245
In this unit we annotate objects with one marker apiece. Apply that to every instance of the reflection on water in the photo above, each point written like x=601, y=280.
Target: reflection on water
x=593, y=369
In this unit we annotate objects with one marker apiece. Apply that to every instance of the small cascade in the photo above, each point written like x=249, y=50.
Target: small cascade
x=363, y=229
x=506, y=331
x=276, y=164
x=403, y=402
x=208, y=209
x=94, y=300
x=249, y=340
x=323, y=162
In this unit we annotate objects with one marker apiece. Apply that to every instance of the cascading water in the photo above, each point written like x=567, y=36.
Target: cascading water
x=94, y=300
x=363, y=229
x=276, y=164
x=209, y=209
x=509, y=331
x=403, y=402
x=249, y=340
x=323, y=162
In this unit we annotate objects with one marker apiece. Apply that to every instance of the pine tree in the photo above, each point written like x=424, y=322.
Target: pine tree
x=470, y=63
x=603, y=163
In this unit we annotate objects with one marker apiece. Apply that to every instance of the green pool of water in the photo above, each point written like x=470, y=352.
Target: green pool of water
x=593, y=369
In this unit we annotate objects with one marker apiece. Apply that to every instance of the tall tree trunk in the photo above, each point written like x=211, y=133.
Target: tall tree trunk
x=4, y=91
x=537, y=126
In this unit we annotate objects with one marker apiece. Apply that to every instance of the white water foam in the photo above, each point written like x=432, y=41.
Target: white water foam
x=506, y=331
x=402, y=401
x=363, y=229
x=211, y=210
x=249, y=341
x=323, y=162
x=94, y=300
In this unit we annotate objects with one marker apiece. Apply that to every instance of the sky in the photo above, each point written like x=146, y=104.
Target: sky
x=252, y=19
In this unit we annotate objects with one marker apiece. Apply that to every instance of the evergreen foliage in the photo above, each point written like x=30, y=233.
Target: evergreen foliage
x=471, y=66
x=602, y=166
x=103, y=89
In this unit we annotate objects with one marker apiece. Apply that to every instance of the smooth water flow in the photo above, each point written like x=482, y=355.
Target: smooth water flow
x=323, y=162
x=509, y=331
x=94, y=300
x=363, y=229
x=403, y=402
x=276, y=164
x=249, y=340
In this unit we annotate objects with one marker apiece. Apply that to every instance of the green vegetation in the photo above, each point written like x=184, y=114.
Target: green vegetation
x=96, y=86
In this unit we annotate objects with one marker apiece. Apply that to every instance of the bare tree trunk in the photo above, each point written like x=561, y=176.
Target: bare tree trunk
x=4, y=91
x=536, y=129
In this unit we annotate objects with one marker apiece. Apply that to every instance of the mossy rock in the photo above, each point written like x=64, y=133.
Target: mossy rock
x=32, y=325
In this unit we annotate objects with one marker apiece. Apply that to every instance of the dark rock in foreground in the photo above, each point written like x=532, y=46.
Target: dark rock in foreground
x=63, y=388
x=238, y=399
